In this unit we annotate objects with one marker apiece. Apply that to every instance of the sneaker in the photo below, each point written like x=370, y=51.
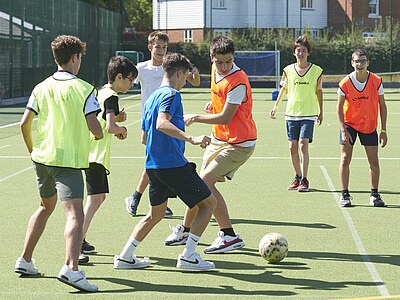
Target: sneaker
x=177, y=237
x=345, y=200
x=76, y=279
x=224, y=243
x=168, y=212
x=194, y=262
x=304, y=185
x=24, y=267
x=295, y=184
x=131, y=205
x=132, y=263
x=376, y=200
x=87, y=248
x=83, y=259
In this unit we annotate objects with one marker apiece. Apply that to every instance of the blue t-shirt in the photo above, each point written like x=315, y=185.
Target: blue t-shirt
x=163, y=151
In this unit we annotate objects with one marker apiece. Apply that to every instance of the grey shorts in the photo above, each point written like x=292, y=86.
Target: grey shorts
x=67, y=182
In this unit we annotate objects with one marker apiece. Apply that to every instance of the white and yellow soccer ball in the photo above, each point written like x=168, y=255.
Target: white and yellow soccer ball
x=273, y=247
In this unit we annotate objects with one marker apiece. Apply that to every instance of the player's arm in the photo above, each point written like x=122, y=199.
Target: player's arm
x=320, y=101
x=339, y=110
x=143, y=137
x=165, y=126
x=94, y=125
x=194, y=77
x=26, y=128
x=281, y=96
x=383, y=113
x=111, y=125
x=223, y=118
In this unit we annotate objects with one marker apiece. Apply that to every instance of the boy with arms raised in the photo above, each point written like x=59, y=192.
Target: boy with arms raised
x=66, y=109
x=121, y=73
x=234, y=136
x=168, y=169
x=150, y=77
x=360, y=98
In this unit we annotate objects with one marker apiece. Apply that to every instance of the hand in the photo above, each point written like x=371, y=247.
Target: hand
x=189, y=119
x=383, y=139
x=319, y=119
x=201, y=140
x=193, y=72
x=122, y=136
x=121, y=116
x=272, y=113
x=208, y=108
x=346, y=137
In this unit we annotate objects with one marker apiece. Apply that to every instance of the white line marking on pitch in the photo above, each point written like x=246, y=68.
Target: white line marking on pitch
x=5, y=146
x=357, y=239
x=15, y=174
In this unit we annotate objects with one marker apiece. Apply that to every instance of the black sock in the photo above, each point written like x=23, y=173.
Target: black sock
x=228, y=231
x=137, y=195
x=186, y=229
x=345, y=192
x=374, y=191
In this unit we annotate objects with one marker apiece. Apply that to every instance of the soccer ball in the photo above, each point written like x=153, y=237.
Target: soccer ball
x=273, y=247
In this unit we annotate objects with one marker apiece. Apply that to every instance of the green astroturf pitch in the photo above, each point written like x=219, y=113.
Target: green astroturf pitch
x=334, y=253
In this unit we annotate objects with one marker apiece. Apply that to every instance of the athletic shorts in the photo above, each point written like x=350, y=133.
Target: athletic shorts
x=223, y=159
x=67, y=182
x=96, y=179
x=303, y=129
x=183, y=181
x=370, y=139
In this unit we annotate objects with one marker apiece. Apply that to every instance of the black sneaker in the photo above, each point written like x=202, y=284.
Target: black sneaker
x=83, y=259
x=376, y=200
x=87, y=248
x=168, y=212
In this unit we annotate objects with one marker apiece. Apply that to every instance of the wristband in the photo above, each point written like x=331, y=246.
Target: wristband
x=383, y=131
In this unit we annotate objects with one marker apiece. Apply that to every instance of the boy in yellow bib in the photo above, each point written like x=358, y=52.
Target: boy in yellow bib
x=302, y=81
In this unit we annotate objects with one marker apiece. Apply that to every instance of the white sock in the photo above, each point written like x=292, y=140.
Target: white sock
x=191, y=245
x=129, y=248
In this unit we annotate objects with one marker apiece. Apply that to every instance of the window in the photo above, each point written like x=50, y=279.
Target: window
x=224, y=32
x=306, y=4
x=188, y=36
x=373, y=8
x=218, y=3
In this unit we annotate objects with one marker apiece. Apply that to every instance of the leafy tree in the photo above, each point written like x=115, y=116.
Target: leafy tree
x=140, y=14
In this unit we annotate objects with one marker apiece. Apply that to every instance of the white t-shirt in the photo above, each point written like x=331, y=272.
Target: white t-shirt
x=149, y=77
x=359, y=85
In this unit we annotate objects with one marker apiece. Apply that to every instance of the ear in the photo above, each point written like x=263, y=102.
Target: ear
x=150, y=47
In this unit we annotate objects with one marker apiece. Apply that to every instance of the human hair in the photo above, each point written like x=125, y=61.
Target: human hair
x=173, y=62
x=64, y=46
x=221, y=45
x=360, y=52
x=157, y=35
x=120, y=64
x=302, y=41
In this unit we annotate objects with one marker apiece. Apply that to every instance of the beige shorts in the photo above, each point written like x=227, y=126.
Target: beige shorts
x=223, y=160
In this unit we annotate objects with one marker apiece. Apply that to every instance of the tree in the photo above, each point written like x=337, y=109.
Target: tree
x=140, y=14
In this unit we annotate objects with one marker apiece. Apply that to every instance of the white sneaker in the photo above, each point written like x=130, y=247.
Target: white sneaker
x=376, y=200
x=224, y=243
x=76, y=279
x=177, y=237
x=194, y=262
x=133, y=263
x=345, y=201
x=24, y=267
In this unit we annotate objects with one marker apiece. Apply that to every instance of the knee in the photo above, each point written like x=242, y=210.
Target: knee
x=209, y=203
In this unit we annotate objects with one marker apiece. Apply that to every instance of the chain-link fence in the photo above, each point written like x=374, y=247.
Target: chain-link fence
x=27, y=28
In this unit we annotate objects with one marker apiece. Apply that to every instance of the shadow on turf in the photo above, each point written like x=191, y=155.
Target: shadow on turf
x=275, y=223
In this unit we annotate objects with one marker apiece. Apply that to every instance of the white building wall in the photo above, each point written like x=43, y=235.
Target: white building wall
x=179, y=14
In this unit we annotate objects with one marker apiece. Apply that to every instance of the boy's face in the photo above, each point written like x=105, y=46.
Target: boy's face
x=158, y=50
x=223, y=62
x=126, y=83
x=301, y=53
x=359, y=63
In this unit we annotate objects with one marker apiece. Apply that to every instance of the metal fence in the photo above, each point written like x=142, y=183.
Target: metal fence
x=27, y=28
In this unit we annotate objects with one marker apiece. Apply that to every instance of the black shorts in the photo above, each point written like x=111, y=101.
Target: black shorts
x=183, y=181
x=96, y=179
x=366, y=139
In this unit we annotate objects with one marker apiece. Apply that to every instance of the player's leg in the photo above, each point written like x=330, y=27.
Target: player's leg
x=132, y=202
x=293, y=134
x=306, y=136
x=344, y=167
x=93, y=203
x=37, y=222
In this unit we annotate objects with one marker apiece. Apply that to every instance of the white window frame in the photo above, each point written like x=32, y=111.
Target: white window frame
x=218, y=4
x=188, y=36
x=373, y=9
x=224, y=32
x=306, y=4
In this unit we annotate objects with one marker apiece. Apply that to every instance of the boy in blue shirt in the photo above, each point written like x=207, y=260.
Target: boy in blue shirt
x=168, y=170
